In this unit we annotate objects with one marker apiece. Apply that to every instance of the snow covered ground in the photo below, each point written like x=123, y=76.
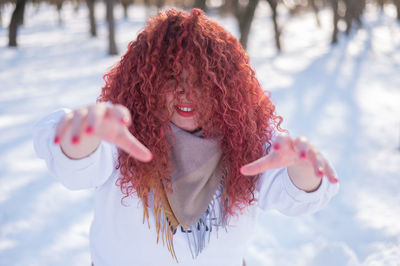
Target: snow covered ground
x=345, y=99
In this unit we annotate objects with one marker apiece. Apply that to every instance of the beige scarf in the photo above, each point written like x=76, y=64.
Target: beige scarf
x=196, y=175
x=195, y=180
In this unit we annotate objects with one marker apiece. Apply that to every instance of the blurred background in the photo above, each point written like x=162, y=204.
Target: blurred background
x=332, y=68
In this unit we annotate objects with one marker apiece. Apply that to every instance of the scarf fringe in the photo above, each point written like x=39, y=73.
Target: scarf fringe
x=161, y=223
x=199, y=234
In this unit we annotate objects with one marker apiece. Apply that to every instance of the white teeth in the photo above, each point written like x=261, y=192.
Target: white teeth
x=185, y=109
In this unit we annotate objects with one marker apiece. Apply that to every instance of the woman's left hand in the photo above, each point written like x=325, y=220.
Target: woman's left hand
x=298, y=154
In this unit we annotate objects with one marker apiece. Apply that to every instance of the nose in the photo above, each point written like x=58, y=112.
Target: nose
x=183, y=89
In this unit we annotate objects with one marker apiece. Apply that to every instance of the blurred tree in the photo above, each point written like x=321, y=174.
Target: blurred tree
x=274, y=4
x=112, y=46
x=125, y=5
x=92, y=18
x=17, y=19
x=59, y=4
x=315, y=8
x=350, y=11
x=200, y=4
x=353, y=13
x=160, y=4
x=397, y=4
x=381, y=3
x=244, y=12
x=335, y=11
x=1, y=9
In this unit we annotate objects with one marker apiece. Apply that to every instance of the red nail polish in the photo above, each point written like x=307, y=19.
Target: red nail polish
x=334, y=180
x=277, y=147
x=303, y=155
x=320, y=173
x=124, y=121
x=89, y=130
x=56, y=140
x=75, y=140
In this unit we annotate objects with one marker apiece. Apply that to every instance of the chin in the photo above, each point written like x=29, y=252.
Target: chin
x=189, y=126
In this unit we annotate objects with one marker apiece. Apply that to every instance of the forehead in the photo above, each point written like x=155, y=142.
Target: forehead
x=186, y=75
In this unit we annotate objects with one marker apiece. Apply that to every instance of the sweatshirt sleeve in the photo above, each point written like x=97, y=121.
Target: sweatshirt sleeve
x=276, y=191
x=88, y=172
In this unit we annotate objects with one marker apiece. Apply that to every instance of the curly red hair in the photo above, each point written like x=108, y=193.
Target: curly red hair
x=234, y=108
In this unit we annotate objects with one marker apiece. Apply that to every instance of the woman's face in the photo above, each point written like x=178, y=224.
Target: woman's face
x=182, y=111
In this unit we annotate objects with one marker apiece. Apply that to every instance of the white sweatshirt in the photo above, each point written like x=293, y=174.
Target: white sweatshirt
x=118, y=236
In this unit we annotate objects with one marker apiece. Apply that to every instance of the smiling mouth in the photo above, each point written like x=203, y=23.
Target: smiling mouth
x=185, y=110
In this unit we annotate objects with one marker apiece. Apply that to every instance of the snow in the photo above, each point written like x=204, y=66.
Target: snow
x=344, y=98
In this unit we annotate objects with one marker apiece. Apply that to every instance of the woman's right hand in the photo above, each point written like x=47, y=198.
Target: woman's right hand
x=79, y=132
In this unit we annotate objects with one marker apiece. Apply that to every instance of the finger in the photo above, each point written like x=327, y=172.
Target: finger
x=95, y=116
x=123, y=114
x=318, y=162
x=263, y=164
x=281, y=155
x=62, y=128
x=118, y=113
x=330, y=173
x=301, y=145
x=77, y=125
x=127, y=142
x=281, y=142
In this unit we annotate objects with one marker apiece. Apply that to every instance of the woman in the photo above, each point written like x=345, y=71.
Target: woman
x=183, y=138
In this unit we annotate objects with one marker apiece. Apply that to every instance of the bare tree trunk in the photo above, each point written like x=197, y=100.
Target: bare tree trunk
x=200, y=4
x=125, y=5
x=77, y=4
x=316, y=12
x=274, y=4
x=359, y=11
x=125, y=8
x=160, y=4
x=381, y=4
x=349, y=15
x=245, y=17
x=59, y=7
x=112, y=46
x=147, y=4
x=21, y=15
x=92, y=18
x=16, y=19
x=335, y=9
x=227, y=7
x=397, y=5
x=354, y=11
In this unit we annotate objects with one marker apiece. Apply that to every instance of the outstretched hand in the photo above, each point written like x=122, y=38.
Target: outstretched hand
x=286, y=152
x=105, y=121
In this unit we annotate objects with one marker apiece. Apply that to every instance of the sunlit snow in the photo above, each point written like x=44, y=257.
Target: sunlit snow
x=344, y=98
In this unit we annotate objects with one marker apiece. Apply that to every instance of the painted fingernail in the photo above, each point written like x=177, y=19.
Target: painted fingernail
x=56, y=140
x=334, y=180
x=89, y=130
x=75, y=140
x=277, y=147
x=320, y=172
x=124, y=121
x=303, y=154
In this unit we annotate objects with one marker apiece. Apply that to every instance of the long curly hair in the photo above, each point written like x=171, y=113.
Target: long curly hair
x=223, y=87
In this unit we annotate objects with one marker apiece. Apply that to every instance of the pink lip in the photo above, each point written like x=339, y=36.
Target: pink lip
x=183, y=113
